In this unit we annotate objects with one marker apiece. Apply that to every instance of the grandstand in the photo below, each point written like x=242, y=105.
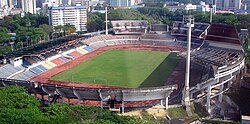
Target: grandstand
x=199, y=30
x=217, y=56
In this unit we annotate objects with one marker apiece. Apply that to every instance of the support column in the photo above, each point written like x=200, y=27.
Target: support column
x=62, y=99
x=166, y=103
x=208, y=99
x=186, y=97
x=122, y=102
x=106, y=19
x=122, y=106
x=211, y=14
x=161, y=102
x=77, y=95
x=69, y=100
x=101, y=104
x=191, y=95
x=229, y=84
x=221, y=94
x=49, y=98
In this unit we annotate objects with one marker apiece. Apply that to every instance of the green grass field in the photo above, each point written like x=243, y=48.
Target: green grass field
x=124, y=68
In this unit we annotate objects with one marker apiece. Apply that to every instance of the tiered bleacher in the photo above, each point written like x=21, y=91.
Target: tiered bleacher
x=129, y=26
x=219, y=52
x=198, y=31
x=223, y=34
x=215, y=56
x=36, y=64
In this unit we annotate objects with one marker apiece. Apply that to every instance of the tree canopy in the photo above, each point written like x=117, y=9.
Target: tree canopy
x=29, y=29
x=18, y=107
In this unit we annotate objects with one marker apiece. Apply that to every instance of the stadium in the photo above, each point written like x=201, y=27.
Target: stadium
x=140, y=66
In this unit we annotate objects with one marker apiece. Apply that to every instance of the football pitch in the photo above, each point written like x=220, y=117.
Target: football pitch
x=123, y=68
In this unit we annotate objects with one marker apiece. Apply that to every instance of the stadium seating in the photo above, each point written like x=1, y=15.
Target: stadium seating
x=3, y=75
x=36, y=59
x=42, y=68
x=51, y=64
x=47, y=66
x=8, y=69
x=29, y=74
x=81, y=51
x=179, y=29
x=76, y=54
x=20, y=76
x=69, y=54
x=88, y=48
x=64, y=59
x=36, y=70
x=57, y=61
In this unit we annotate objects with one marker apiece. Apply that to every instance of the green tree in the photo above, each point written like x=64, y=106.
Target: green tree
x=4, y=37
x=68, y=29
x=95, y=22
x=48, y=29
x=18, y=107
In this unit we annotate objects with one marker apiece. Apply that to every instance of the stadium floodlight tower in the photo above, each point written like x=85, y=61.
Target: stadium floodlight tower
x=211, y=12
x=189, y=23
x=106, y=19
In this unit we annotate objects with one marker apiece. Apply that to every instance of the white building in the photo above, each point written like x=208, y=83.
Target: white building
x=202, y=7
x=228, y=4
x=4, y=8
x=3, y=3
x=73, y=15
x=121, y=3
x=29, y=6
x=55, y=2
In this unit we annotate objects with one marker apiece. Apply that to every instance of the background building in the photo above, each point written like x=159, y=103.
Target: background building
x=202, y=7
x=27, y=6
x=73, y=15
x=228, y=4
x=121, y=3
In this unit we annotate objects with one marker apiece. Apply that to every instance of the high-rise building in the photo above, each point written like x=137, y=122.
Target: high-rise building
x=10, y=3
x=19, y=4
x=228, y=4
x=4, y=8
x=39, y=3
x=73, y=15
x=29, y=6
x=66, y=2
x=3, y=3
x=121, y=3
